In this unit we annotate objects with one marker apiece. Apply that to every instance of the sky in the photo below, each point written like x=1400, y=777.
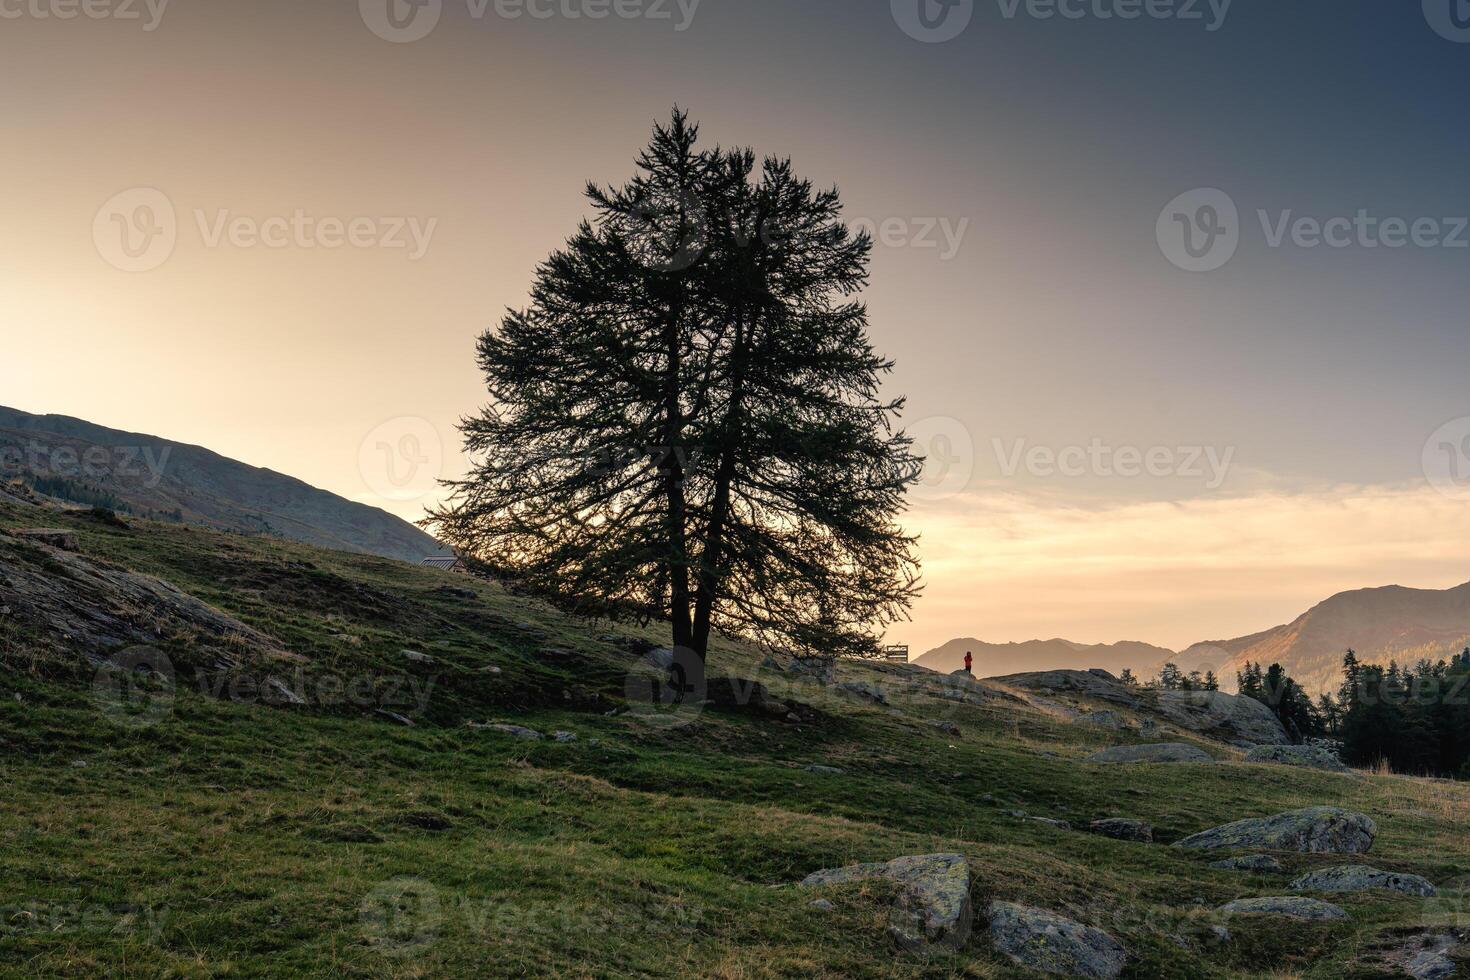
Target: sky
x=1176, y=290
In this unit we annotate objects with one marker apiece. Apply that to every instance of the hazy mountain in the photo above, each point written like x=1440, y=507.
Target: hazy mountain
x=995, y=659
x=74, y=460
x=1380, y=624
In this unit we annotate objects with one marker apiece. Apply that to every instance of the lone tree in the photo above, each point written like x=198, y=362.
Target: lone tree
x=686, y=422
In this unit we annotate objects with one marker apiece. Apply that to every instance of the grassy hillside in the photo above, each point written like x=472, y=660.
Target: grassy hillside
x=214, y=837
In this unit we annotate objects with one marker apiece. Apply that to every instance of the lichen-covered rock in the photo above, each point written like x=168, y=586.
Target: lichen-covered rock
x=1119, y=828
x=1107, y=719
x=1315, y=830
x=1159, y=752
x=1291, y=907
x=933, y=908
x=1248, y=862
x=1306, y=756
x=1048, y=943
x=515, y=731
x=1361, y=878
x=1227, y=717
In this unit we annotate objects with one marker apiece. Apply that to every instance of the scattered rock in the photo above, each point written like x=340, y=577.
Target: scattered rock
x=1120, y=828
x=278, y=691
x=492, y=669
x=1110, y=720
x=1304, y=909
x=1248, y=862
x=1315, y=830
x=1219, y=935
x=1428, y=956
x=1359, y=878
x=866, y=692
x=414, y=657
x=1159, y=752
x=564, y=737
x=50, y=537
x=947, y=727
x=455, y=592
x=1049, y=943
x=395, y=717
x=1306, y=756
x=822, y=905
x=825, y=770
x=1058, y=824
x=821, y=669
x=933, y=908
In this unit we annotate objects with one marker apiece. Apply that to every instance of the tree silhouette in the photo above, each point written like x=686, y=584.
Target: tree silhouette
x=686, y=423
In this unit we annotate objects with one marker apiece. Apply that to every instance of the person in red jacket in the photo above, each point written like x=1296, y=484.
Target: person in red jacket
x=969, y=660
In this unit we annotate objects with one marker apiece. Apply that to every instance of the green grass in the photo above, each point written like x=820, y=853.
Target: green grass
x=245, y=840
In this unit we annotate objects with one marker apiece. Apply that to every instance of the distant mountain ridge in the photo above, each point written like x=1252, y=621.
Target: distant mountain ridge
x=996, y=659
x=76, y=460
x=1380, y=624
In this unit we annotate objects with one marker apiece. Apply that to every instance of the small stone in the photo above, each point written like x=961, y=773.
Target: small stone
x=1120, y=828
x=415, y=657
x=564, y=737
x=1248, y=862
x=516, y=731
x=825, y=770
x=822, y=905
x=1048, y=943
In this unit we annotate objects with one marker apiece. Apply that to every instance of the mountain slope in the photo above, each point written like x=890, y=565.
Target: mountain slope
x=994, y=659
x=1380, y=624
x=192, y=820
x=147, y=475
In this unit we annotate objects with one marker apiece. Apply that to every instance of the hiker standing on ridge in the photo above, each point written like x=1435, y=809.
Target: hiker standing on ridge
x=968, y=661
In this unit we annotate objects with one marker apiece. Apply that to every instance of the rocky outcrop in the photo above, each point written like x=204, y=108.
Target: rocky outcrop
x=1048, y=943
x=1303, y=909
x=1119, y=828
x=933, y=907
x=1315, y=830
x=1264, y=863
x=1361, y=878
x=1306, y=756
x=1226, y=717
x=1159, y=752
x=95, y=608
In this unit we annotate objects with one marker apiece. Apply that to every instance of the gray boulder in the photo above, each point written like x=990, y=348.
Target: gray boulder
x=1226, y=717
x=515, y=731
x=1159, y=752
x=933, y=908
x=1248, y=862
x=1119, y=828
x=1315, y=830
x=1303, y=909
x=1361, y=878
x=864, y=692
x=1427, y=956
x=1306, y=756
x=1047, y=943
x=1106, y=719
